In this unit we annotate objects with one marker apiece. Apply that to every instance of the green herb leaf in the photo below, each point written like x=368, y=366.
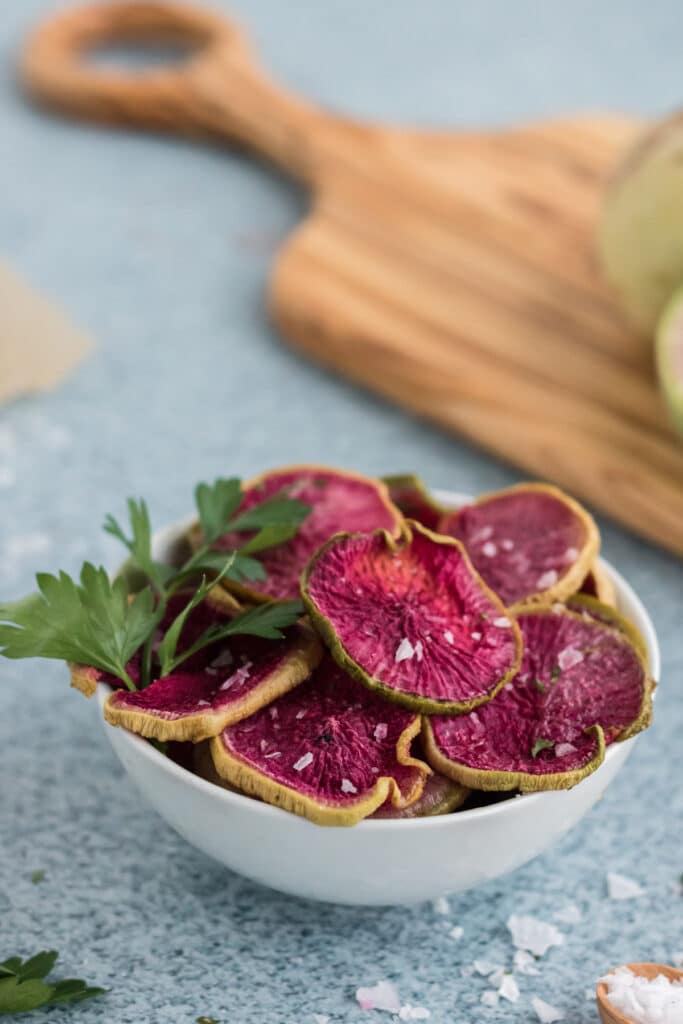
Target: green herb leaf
x=555, y=674
x=266, y=620
x=276, y=511
x=22, y=987
x=140, y=543
x=216, y=504
x=39, y=966
x=167, y=648
x=20, y=997
x=93, y=623
x=73, y=990
x=207, y=1020
x=541, y=744
x=269, y=537
x=37, y=877
x=539, y=685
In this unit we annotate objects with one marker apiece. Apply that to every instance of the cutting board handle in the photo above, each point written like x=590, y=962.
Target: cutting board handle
x=216, y=90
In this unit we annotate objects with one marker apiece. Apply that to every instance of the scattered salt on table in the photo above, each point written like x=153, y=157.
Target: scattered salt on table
x=644, y=1000
x=546, y=1013
x=533, y=935
x=619, y=887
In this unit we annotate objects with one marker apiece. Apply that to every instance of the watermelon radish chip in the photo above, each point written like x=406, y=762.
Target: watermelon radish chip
x=329, y=750
x=338, y=501
x=411, y=619
x=582, y=685
x=219, y=684
x=412, y=498
x=529, y=543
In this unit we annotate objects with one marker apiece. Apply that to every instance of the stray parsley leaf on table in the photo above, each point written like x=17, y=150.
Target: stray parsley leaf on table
x=23, y=986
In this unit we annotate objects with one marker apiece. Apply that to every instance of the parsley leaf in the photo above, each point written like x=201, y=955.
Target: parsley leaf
x=216, y=504
x=555, y=674
x=93, y=623
x=540, y=686
x=541, y=744
x=23, y=988
x=266, y=620
x=140, y=543
x=37, y=876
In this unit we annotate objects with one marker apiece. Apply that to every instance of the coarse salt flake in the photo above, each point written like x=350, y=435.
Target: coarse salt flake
x=457, y=932
x=546, y=1013
x=568, y=658
x=419, y=650
x=561, y=749
x=382, y=996
x=476, y=636
x=303, y=762
x=441, y=905
x=448, y=637
x=486, y=968
x=321, y=1018
x=408, y=1012
x=273, y=753
x=489, y=998
x=619, y=887
x=502, y=622
x=571, y=913
x=404, y=651
x=381, y=731
x=533, y=935
x=524, y=962
x=509, y=989
x=571, y=554
x=347, y=786
x=507, y=544
x=489, y=549
x=547, y=579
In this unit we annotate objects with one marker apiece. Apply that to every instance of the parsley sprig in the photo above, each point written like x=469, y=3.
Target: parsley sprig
x=96, y=622
x=23, y=986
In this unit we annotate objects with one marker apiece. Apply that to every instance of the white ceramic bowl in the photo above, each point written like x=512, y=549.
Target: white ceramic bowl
x=376, y=862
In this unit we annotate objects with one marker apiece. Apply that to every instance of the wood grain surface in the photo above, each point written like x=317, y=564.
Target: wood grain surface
x=452, y=272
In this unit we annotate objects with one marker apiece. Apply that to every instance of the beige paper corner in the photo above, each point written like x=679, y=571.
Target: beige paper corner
x=38, y=343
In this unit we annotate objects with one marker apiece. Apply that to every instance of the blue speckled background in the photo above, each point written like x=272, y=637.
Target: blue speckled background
x=161, y=249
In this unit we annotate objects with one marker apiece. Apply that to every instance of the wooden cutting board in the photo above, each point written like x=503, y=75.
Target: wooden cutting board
x=453, y=272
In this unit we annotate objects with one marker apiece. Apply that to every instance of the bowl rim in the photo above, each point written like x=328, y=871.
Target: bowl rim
x=237, y=800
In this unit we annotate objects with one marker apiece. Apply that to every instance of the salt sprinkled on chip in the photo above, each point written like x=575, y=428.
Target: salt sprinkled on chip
x=571, y=913
x=419, y=650
x=489, y=549
x=409, y=1012
x=303, y=762
x=476, y=636
x=560, y=750
x=448, y=637
x=619, y=887
x=441, y=905
x=404, y=651
x=546, y=1013
x=382, y=996
x=525, y=963
x=507, y=544
x=502, y=622
x=489, y=998
x=347, y=786
x=533, y=935
x=547, y=579
x=381, y=731
x=509, y=989
x=568, y=658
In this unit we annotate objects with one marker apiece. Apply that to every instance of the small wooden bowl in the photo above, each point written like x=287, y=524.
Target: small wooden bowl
x=608, y=1013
